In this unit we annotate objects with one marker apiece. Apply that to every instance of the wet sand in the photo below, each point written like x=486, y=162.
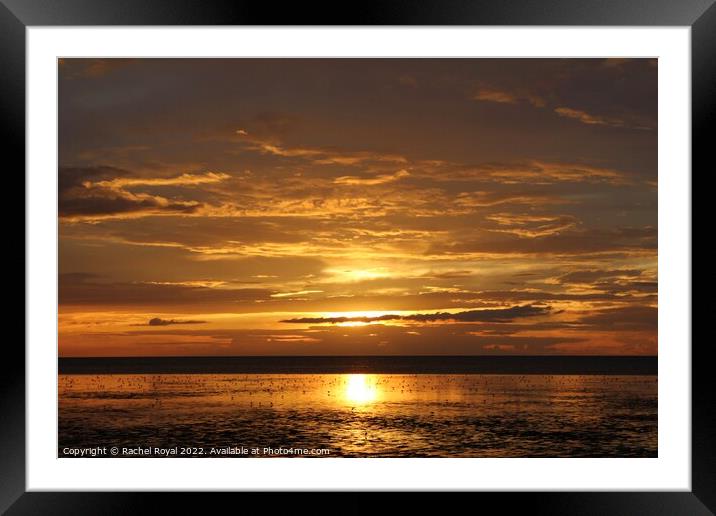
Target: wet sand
x=363, y=415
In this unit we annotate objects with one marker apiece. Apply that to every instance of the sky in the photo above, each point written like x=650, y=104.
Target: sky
x=357, y=207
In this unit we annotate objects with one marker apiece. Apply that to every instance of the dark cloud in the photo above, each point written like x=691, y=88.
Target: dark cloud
x=79, y=289
x=615, y=93
x=72, y=177
x=592, y=275
x=624, y=318
x=588, y=241
x=88, y=192
x=75, y=278
x=95, y=204
x=492, y=315
x=330, y=340
x=545, y=296
x=156, y=321
x=591, y=119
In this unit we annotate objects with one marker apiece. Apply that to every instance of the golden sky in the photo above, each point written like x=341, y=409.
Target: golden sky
x=357, y=206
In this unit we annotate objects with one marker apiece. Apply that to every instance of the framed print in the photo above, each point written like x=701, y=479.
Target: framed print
x=423, y=249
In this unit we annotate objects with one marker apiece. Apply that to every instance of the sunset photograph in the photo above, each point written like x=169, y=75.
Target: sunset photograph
x=357, y=257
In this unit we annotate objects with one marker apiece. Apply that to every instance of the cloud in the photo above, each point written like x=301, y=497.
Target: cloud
x=481, y=199
x=98, y=193
x=492, y=95
x=590, y=276
x=270, y=125
x=75, y=278
x=623, y=240
x=585, y=117
x=326, y=340
x=296, y=294
x=553, y=92
x=377, y=180
x=501, y=96
x=72, y=177
x=534, y=172
x=491, y=315
x=97, y=206
x=590, y=119
x=83, y=289
x=182, y=180
x=315, y=155
x=624, y=318
x=532, y=226
x=156, y=321
x=620, y=281
x=597, y=92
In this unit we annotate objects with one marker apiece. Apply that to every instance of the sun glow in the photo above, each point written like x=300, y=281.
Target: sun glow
x=360, y=389
x=356, y=275
x=365, y=313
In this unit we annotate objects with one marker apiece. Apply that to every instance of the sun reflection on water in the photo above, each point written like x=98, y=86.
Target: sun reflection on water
x=369, y=415
x=360, y=389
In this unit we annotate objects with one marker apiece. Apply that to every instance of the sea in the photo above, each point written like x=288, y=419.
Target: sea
x=315, y=407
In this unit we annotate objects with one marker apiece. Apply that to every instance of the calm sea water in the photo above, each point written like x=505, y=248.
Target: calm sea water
x=360, y=415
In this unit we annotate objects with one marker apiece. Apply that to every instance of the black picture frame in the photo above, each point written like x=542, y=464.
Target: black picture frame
x=17, y=15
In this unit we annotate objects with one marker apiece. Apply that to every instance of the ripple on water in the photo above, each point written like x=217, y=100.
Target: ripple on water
x=367, y=415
